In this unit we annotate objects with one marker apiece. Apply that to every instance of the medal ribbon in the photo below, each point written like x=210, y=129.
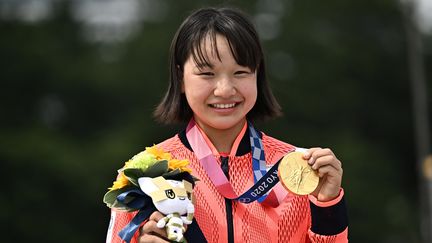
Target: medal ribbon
x=258, y=157
x=264, y=180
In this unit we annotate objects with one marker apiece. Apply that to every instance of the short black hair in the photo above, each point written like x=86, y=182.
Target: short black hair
x=245, y=46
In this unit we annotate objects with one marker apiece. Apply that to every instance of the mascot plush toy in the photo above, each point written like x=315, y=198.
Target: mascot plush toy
x=173, y=199
x=153, y=180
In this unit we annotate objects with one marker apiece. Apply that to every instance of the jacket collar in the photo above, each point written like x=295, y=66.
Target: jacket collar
x=243, y=148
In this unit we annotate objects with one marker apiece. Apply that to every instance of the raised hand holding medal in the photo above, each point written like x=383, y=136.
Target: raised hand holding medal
x=296, y=175
x=317, y=172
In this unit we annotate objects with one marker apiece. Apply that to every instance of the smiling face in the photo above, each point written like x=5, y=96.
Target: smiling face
x=222, y=93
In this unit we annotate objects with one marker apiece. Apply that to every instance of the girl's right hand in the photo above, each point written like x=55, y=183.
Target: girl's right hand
x=149, y=232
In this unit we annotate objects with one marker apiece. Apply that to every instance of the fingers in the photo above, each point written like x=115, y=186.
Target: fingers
x=318, y=157
x=151, y=228
x=156, y=216
x=149, y=232
x=329, y=169
x=151, y=239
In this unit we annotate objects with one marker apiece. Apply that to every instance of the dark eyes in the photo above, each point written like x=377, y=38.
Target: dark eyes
x=241, y=72
x=208, y=74
x=170, y=194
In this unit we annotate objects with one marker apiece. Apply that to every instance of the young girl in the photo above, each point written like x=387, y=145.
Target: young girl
x=218, y=84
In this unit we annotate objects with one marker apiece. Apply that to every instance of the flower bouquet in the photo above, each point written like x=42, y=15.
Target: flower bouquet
x=152, y=180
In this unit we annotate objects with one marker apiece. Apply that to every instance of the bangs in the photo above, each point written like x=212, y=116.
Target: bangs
x=245, y=55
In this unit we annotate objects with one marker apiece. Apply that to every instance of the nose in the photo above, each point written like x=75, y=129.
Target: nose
x=225, y=88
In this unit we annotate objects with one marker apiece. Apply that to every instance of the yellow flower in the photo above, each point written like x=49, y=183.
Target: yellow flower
x=121, y=182
x=159, y=153
x=179, y=164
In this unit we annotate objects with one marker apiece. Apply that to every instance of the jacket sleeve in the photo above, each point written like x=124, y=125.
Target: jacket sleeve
x=119, y=219
x=329, y=220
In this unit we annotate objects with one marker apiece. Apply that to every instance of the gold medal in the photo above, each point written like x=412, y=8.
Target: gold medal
x=296, y=175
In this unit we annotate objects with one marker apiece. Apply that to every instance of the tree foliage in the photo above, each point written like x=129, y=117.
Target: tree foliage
x=74, y=110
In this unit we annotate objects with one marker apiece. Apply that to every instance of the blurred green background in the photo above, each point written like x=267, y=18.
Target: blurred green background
x=80, y=79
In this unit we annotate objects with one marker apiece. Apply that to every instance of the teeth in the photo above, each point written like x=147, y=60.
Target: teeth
x=223, y=106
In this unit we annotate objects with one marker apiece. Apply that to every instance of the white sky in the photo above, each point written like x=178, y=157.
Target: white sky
x=424, y=14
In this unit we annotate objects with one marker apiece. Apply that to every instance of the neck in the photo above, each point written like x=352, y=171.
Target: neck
x=222, y=139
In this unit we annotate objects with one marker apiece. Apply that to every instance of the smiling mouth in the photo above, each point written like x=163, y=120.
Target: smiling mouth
x=223, y=106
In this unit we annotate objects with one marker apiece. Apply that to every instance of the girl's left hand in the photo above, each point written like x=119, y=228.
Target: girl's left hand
x=329, y=169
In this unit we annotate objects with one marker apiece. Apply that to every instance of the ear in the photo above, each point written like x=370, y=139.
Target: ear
x=147, y=186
